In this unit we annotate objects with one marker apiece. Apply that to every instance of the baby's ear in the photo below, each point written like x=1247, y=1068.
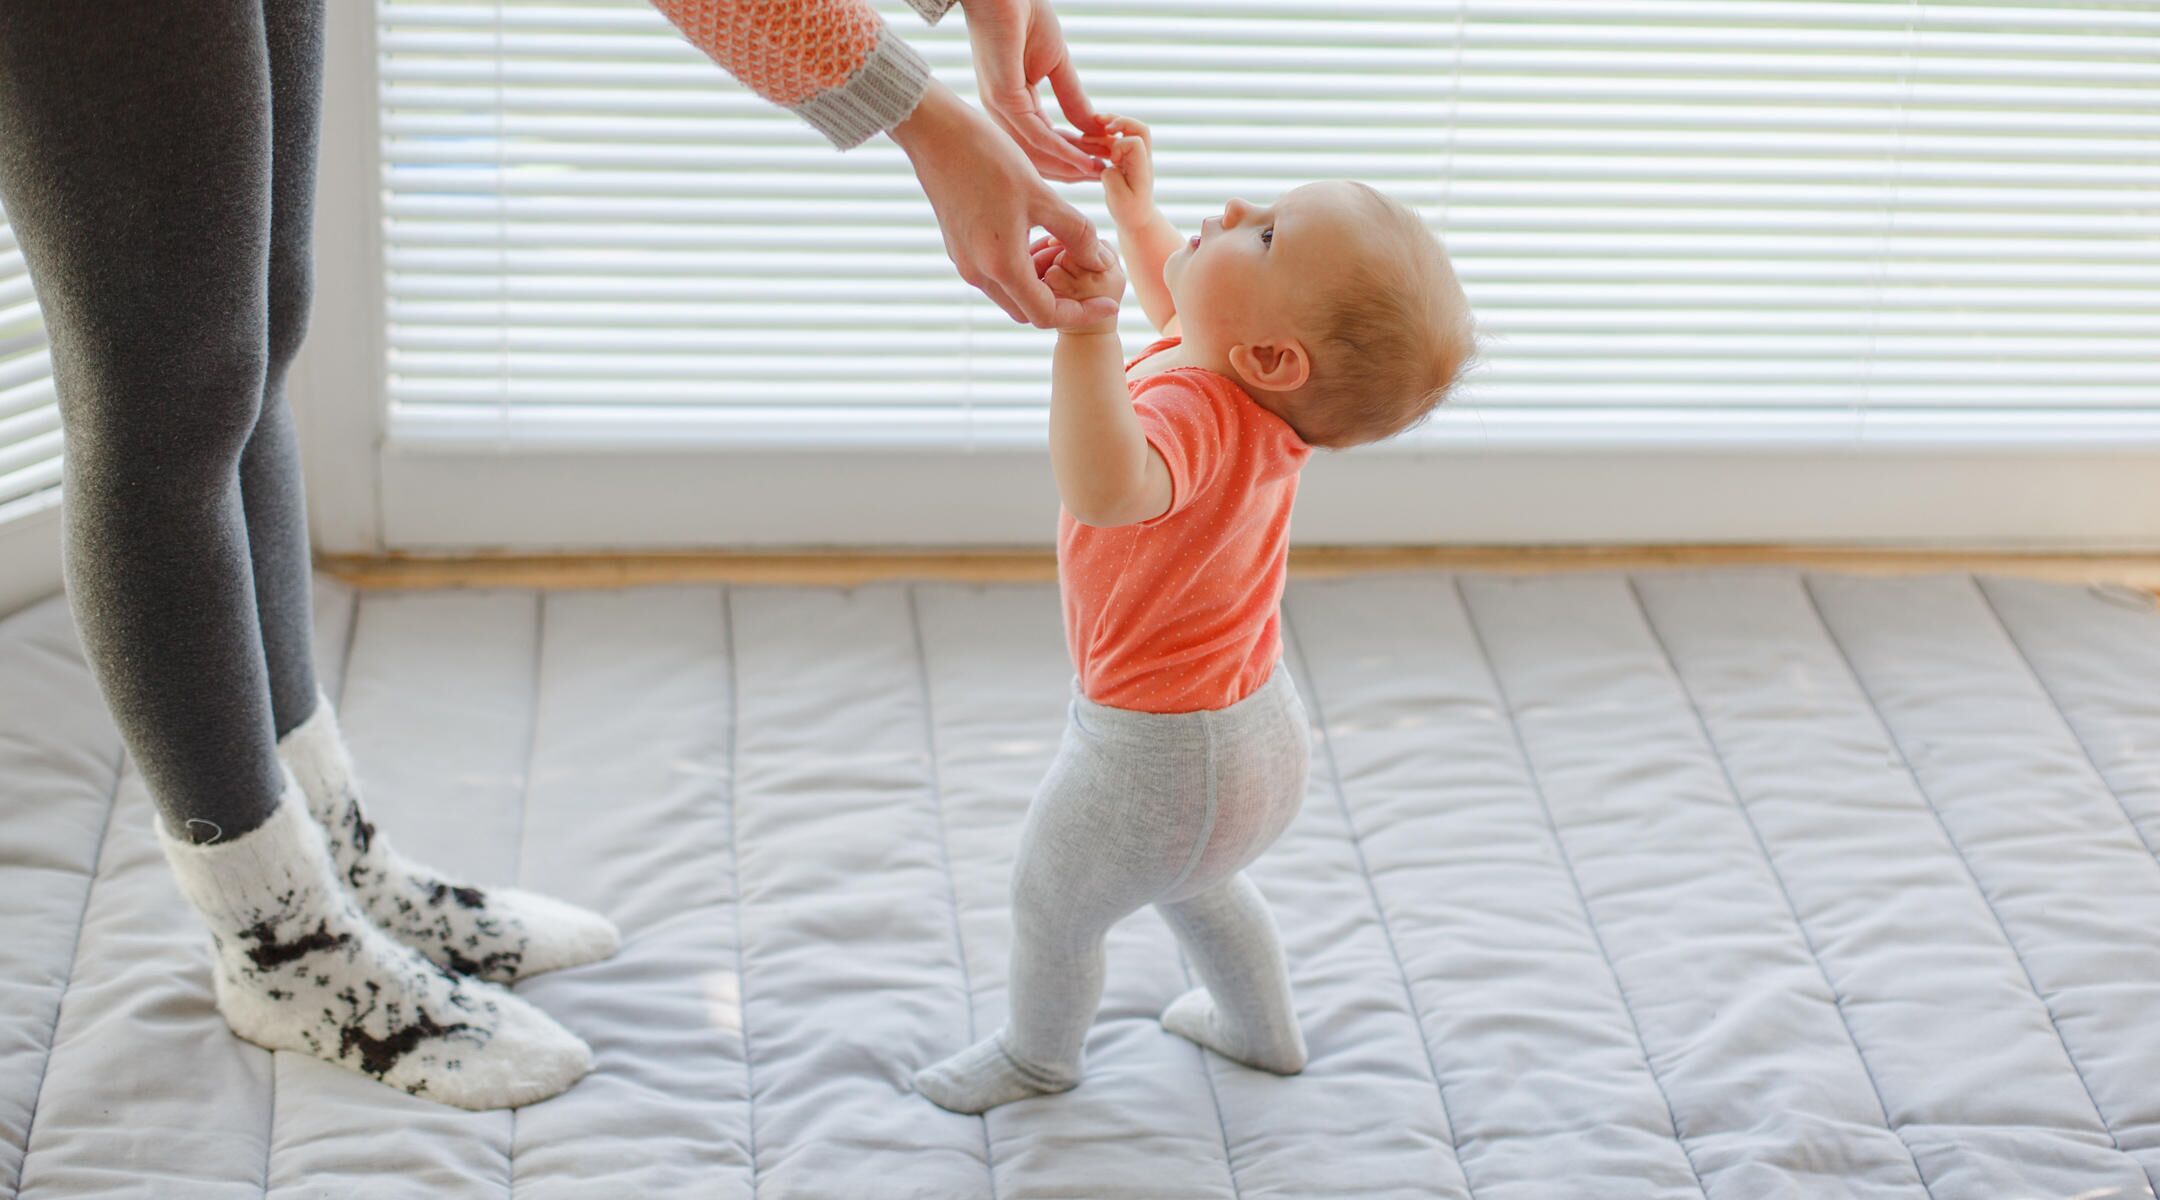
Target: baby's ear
x=1282, y=365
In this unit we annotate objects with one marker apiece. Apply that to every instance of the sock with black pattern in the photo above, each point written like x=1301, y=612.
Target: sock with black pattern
x=500, y=934
x=298, y=967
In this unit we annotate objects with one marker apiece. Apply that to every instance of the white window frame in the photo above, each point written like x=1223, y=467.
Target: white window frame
x=30, y=553
x=1998, y=481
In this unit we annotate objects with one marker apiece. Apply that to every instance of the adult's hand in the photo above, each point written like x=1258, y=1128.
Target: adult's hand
x=1017, y=44
x=987, y=198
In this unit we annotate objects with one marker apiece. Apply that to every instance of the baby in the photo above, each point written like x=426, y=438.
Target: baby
x=1329, y=318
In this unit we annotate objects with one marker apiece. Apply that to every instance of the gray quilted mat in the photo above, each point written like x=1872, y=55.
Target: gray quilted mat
x=1731, y=885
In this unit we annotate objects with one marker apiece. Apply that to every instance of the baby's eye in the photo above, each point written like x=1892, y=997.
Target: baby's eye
x=1267, y=236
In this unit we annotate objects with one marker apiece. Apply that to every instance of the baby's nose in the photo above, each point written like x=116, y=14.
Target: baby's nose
x=1236, y=211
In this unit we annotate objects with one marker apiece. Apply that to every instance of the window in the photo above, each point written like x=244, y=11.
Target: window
x=1872, y=228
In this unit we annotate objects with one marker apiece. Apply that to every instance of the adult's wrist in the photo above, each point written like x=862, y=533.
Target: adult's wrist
x=936, y=116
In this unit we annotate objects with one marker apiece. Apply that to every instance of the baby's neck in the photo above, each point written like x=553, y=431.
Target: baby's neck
x=1189, y=353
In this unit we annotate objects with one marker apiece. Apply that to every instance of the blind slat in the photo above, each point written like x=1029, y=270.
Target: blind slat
x=29, y=481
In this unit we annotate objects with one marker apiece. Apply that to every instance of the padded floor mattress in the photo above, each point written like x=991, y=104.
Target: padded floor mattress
x=1731, y=885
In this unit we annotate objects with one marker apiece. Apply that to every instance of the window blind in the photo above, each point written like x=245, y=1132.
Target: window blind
x=1790, y=216
x=29, y=418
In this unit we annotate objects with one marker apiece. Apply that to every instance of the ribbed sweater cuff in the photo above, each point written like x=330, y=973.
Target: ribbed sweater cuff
x=931, y=10
x=876, y=98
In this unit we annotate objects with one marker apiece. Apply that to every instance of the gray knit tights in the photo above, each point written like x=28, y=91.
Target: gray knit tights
x=1146, y=808
x=157, y=160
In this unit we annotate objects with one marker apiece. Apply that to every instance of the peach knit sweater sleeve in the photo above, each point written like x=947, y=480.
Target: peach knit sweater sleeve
x=831, y=62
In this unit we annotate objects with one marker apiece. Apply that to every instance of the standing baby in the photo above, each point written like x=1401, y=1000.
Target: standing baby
x=1329, y=318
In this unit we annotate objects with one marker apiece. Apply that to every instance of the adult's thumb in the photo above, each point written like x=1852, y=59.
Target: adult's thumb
x=1077, y=233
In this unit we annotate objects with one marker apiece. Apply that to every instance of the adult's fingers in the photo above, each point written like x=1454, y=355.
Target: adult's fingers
x=1076, y=231
x=1053, y=156
x=1065, y=81
x=994, y=290
x=1038, y=302
x=1014, y=276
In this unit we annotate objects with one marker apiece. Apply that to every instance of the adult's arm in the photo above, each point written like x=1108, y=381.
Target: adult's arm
x=834, y=63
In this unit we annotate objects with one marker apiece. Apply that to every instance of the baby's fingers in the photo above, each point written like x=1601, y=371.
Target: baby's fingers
x=1043, y=255
x=1127, y=127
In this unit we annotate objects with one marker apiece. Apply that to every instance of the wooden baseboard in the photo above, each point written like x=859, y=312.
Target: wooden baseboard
x=831, y=568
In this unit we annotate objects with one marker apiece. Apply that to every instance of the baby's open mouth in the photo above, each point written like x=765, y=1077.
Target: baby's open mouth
x=1195, y=243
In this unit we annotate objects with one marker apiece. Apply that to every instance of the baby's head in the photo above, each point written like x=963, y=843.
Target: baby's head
x=1335, y=306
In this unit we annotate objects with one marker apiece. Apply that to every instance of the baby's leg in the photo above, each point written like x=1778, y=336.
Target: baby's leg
x=1244, y=1012
x=1056, y=982
x=1099, y=841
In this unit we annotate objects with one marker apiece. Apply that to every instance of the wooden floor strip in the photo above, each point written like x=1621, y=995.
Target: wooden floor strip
x=829, y=568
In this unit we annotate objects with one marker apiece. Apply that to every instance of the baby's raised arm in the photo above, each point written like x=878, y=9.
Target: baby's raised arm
x=1145, y=237
x=1107, y=474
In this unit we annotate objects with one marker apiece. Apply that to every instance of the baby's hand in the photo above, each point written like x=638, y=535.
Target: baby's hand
x=1069, y=279
x=1129, y=180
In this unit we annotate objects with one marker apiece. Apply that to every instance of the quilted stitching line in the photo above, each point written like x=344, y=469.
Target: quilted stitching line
x=952, y=885
x=2055, y=702
x=1740, y=802
x=517, y=864
x=1207, y=831
x=1372, y=891
x=1808, y=589
x=1208, y=1073
x=742, y=979
x=1552, y=823
x=97, y=859
x=352, y=630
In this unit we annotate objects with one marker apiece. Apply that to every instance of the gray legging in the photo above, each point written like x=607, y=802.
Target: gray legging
x=157, y=160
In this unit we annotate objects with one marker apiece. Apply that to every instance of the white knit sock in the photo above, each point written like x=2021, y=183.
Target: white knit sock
x=494, y=933
x=298, y=967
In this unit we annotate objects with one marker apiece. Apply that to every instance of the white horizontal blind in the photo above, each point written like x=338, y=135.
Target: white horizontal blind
x=1788, y=217
x=29, y=418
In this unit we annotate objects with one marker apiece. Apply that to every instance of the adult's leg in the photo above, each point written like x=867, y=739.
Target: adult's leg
x=135, y=161
x=135, y=164
x=270, y=486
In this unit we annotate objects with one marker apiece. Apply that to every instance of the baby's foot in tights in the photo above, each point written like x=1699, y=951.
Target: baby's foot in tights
x=983, y=1076
x=498, y=934
x=1193, y=1016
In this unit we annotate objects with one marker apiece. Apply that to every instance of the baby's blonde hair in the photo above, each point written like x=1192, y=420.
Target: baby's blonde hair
x=1394, y=336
